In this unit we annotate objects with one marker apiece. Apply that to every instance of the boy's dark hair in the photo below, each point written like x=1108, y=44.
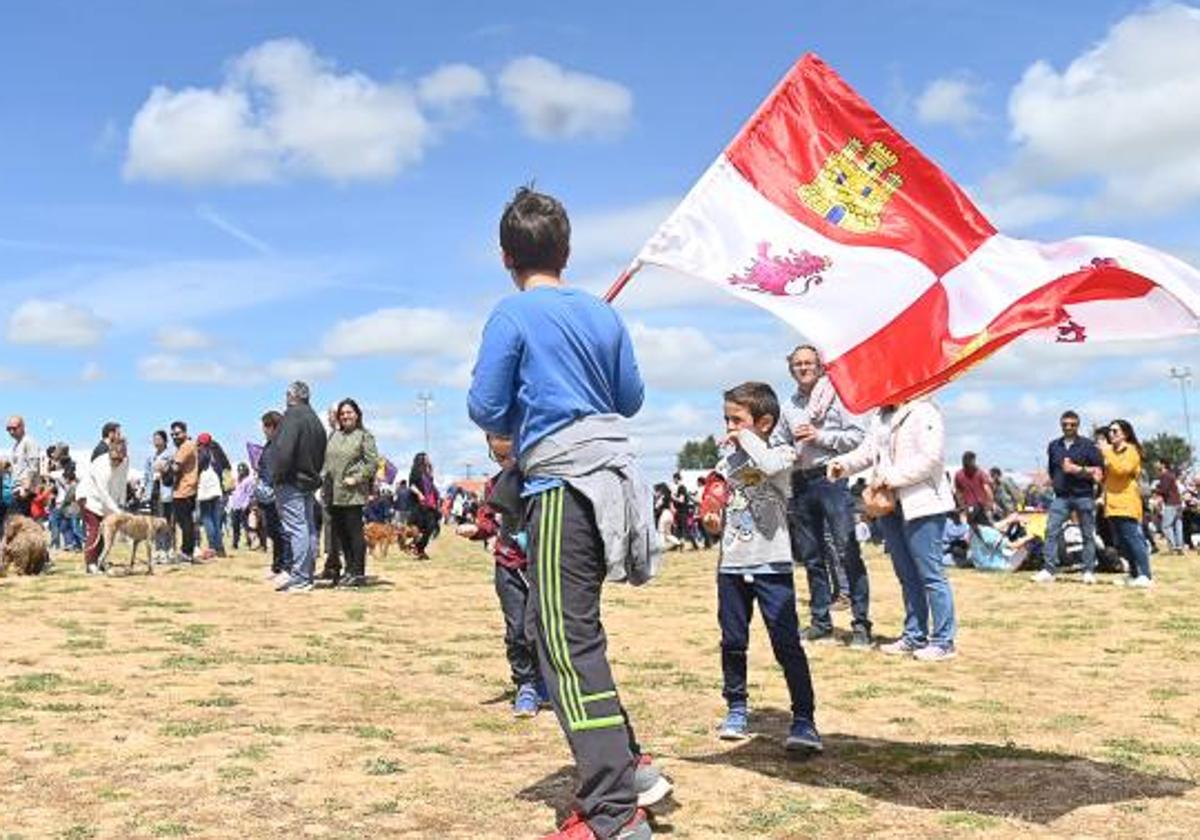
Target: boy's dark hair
x=535, y=232
x=756, y=397
x=272, y=418
x=180, y=425
x=1069, y=415
x=108, y=428
x=160, y=433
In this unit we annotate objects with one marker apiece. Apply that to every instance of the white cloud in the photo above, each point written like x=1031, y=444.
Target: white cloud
x=131, y=297
x=1018, y=208
x=1125, y=112
x=179, y=337
x=972, y=404
x=170, y=368
x=950, y=101
x=91, y=372
x=686, y=358
x=386, y=428
x=453, y=85
x=282, y=110
x=401, y=331
x=554, y=103
x=54, y=323
x=439, y=371
x=307, y=368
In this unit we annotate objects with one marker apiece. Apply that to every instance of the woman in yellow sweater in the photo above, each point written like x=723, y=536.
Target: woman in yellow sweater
x=1123, y=499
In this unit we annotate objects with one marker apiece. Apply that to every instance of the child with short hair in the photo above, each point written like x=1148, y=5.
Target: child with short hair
x=512, y=586
x=756, y=562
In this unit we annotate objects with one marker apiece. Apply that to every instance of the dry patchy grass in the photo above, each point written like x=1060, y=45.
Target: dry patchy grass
x=198, y=703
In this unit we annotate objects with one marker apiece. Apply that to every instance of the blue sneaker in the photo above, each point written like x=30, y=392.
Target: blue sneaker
x=736, y=726
x=803, y=737
x=526, y=703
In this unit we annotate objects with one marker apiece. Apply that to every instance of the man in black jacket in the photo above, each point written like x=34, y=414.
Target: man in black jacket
x=298, y=453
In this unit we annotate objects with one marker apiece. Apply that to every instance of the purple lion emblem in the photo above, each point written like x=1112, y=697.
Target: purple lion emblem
x=774, y=275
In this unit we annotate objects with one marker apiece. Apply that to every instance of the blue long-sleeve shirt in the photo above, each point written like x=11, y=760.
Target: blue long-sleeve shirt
x=549, y=356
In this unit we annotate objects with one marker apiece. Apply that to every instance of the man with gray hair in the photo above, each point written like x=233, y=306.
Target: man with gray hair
x=298, y=455
x=820, y=516
x=26, y=463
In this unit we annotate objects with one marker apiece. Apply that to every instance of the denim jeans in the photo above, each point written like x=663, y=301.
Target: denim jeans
x=776, y=596
x=915, y=547
x=210, y=519
x=1060, y=512
x=298, y=520
x=820, y=512
x=1131, y=544
x=58, y=526
x=1172, y=525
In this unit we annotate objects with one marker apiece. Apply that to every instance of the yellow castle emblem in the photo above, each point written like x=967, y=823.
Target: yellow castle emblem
x=852, y=188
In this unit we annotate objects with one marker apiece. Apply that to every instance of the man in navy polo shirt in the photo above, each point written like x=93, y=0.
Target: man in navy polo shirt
x=1075, y=467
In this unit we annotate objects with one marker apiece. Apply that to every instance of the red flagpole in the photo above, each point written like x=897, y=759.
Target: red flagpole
x=622, y=281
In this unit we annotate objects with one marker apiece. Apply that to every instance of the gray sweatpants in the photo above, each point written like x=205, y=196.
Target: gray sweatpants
x=566, y=572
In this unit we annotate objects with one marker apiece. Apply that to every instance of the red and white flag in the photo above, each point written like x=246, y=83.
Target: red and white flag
x=821, y=213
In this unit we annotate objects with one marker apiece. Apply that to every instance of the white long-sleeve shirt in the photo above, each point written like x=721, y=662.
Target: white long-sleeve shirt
x=104, y=485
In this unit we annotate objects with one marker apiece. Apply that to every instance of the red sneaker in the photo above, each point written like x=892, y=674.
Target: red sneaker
x=576, y=828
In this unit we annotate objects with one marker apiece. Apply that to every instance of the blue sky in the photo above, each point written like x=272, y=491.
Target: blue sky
x=198, y=204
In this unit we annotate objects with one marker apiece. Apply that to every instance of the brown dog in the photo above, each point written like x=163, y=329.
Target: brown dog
x=25, y=548
x=380, y=536
x=140, y=529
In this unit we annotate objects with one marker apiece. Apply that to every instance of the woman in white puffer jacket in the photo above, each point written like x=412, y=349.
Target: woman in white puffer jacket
x=904, y=449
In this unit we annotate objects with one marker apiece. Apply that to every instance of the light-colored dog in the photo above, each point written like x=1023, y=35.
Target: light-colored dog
x=25, y=548
x=140, y=529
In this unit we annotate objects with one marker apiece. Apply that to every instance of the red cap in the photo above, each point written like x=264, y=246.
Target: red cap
x=204, y=438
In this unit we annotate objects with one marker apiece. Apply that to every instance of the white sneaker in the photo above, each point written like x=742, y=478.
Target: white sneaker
x=1089, y=578
x=1042, y=577
x=1141, y=582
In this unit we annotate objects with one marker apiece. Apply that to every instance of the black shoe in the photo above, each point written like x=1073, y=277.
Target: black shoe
x=861, y=639
x=354, y=581
x=817, y=635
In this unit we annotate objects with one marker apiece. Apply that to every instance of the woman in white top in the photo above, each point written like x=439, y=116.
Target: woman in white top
x=904, y=448
x=103, y=489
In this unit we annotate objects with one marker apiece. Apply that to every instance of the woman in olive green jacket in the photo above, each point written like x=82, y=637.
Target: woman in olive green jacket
x=351, y=461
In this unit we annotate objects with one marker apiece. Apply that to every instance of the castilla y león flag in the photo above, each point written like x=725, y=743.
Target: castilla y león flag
x=820, y=212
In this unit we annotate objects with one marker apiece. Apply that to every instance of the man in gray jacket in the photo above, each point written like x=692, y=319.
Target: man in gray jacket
x=298, y=455
x=816, y=423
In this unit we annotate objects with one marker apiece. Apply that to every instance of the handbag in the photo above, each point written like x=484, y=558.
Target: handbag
x=878, y=502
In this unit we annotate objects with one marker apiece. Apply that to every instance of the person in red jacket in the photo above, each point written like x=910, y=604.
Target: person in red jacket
x=512, y=585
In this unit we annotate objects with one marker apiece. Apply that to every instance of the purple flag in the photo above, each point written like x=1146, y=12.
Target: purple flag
x=254, y=450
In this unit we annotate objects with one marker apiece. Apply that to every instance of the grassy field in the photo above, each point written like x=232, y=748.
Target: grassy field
x=198, y=703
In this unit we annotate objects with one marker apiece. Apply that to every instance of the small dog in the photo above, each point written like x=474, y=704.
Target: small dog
x=407, y=536
x=25, y=548
x=380, y=536
x=140, y=529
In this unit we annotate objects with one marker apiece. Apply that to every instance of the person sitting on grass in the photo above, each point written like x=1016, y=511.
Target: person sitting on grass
x=756, y=563
x=992, y=549
x=956, y=540
x=512, y=585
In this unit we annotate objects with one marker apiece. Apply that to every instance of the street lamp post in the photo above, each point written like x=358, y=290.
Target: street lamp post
x=425, y=402
x=1183, y=375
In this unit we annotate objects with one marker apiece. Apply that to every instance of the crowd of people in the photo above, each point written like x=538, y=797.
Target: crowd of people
x=306, y=482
